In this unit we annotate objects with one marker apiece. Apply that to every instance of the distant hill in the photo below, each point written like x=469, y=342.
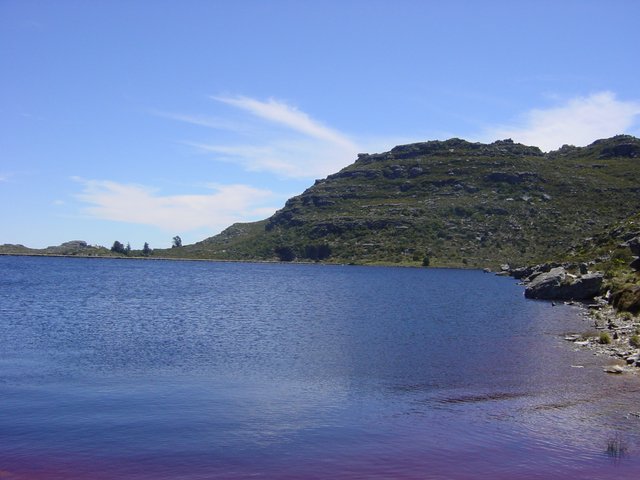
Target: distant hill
x=460, y=204
x=71, y=248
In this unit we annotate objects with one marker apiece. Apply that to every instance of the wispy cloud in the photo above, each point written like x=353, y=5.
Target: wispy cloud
x=579, y=121
x=140, y=204
x=201, y=120
x=287, y=142
x=6, y=176
x=288, y=116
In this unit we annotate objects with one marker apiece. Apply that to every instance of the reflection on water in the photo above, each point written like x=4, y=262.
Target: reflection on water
x=133, y=369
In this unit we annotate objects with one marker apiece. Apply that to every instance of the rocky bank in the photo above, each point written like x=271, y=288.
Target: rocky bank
x=611, y=303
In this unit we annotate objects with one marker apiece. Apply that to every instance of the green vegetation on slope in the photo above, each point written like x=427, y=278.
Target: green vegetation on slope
x=610, y=252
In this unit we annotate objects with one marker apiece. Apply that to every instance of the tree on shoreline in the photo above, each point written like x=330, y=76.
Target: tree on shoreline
x=118, y=247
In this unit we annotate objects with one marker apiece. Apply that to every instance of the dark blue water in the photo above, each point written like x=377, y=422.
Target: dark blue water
x=192, y=370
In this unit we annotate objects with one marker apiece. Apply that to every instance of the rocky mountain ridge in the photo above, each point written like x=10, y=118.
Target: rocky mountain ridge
x=456, y=203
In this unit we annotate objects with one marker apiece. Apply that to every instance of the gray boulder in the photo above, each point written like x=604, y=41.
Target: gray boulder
x=546, y=285
x=634, y=246
x=586, y=286
x=522, y=272
x=557, y=284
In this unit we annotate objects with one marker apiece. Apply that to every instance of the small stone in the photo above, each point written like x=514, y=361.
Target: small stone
x=633, y=359
x=614, y=369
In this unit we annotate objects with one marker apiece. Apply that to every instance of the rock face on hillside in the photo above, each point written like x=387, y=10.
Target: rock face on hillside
x=456, y=202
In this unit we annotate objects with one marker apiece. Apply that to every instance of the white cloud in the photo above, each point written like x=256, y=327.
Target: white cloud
x=579, y=122
x=306, y=148
x=201, y=120
x=292, y=158
x=289, y=116
x=141, y=204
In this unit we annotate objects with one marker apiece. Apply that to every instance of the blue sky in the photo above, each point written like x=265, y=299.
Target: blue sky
x=140, y=120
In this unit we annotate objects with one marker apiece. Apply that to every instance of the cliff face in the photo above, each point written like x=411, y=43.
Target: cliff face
x=456, y=202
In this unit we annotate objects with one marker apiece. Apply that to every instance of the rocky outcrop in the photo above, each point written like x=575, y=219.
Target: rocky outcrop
x=558, y=284
x=630, y=150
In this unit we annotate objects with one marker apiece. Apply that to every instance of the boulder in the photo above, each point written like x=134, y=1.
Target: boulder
x=634, y=246
x=635, y=265
x=546, y=284
x=522, y=272
x=556, y=284
x=586, y=286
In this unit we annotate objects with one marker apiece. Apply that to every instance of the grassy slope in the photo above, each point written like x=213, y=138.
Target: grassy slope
x=611, y=255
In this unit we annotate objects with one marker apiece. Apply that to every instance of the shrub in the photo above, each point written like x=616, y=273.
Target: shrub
x=626, y=316
x=634, y=341
x=604, y=338
x=285, y=254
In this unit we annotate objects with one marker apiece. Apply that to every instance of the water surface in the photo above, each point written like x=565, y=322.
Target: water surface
x=195, y=370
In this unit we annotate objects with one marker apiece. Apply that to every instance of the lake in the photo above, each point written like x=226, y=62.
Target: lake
x=132, y=369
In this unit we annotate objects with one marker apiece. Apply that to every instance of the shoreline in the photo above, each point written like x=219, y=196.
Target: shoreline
x=610, y=336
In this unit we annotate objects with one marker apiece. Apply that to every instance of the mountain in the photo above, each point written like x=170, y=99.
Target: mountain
x=455, y=202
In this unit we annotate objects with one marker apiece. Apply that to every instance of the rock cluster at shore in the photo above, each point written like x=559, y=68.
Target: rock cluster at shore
x=612, y=308
x=557, y=283
x=552, y=281
x=613, y=334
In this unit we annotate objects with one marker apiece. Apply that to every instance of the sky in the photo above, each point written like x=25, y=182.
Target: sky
x=141, y=120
